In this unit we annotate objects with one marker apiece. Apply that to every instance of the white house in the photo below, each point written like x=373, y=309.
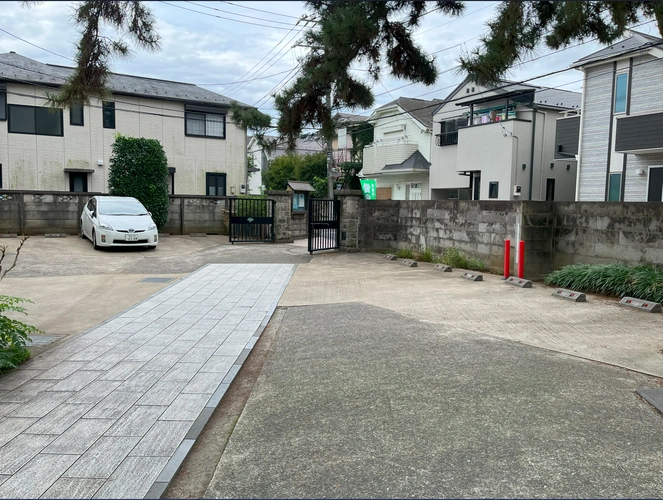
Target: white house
x=498, y=142
x=70, y=149
x=400, y=155
x=621, y=127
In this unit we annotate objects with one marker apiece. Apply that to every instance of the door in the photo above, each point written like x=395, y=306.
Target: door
x=415, y=191
x=476, y=188
x=78, y=182
x=550, y=189
x=655, y=192
x=215, y=184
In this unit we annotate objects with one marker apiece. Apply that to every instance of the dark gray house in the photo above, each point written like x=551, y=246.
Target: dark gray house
x=620, y=149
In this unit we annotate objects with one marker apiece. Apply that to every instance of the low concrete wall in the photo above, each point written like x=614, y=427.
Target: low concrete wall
x=40, y=212
x=555, y=233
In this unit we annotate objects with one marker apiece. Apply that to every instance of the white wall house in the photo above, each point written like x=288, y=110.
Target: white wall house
x=621, y=127
x=399, y=157
x=70, y=149
x=498, y=142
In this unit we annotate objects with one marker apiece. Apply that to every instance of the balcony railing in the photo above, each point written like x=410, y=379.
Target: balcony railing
x=446, y=138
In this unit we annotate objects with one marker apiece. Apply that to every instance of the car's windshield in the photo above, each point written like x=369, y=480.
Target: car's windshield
x=121, y=207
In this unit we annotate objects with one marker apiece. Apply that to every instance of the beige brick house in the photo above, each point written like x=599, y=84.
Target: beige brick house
x=69, y=149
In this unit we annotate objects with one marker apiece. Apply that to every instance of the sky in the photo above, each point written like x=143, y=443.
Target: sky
x=248, y=50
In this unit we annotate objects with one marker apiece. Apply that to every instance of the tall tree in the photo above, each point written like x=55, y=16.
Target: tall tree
x=521, y=26
x=376, y=33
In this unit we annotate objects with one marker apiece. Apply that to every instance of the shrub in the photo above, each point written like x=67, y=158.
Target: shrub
x=425, y=256
x=14, y=335
x=452, y=257
x=139, y=168
x=405, y=253
x=642, y=282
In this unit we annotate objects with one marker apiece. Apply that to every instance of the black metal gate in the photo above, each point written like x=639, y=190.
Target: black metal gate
x=251, y=220
x=324, y=229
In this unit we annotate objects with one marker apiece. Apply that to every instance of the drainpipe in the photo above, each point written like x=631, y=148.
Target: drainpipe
x=531, y=160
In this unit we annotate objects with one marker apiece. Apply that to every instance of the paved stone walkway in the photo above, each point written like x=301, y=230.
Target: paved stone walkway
x=113, y=412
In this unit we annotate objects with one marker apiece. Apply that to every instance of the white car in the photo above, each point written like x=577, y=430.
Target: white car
x=118, y=221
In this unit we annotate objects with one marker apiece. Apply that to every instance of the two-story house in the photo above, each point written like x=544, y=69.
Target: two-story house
x=498, y=142
x=69, y=149
x=621, y=127
x=399, y=157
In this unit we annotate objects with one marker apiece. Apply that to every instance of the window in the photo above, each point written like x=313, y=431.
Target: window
x=615, y=187
x=550, y=189
x=453, y=193
x=205, y=124
x=0, y=175
x=3, y=102
x=620, y=92
x=109, y=114
x=78, y=182
x=448, y=132
x=34, y=120
x=76, y=115
x=216, y=184
x=493, y=188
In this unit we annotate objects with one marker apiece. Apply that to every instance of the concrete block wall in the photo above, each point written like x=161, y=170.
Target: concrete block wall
x=598, y=232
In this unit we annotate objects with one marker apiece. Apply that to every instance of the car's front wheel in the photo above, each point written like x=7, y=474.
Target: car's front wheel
x=94, y=240
x=80, y=232
x=151, y=247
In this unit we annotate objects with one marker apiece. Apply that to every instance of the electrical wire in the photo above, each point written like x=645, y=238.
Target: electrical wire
x=235, y=14
x=37, y=46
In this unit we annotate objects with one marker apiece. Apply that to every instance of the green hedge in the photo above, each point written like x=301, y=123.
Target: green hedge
x=641, y=282
x=139, y=168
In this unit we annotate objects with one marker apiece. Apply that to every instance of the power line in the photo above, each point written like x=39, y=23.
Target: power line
x=37, y=46
x=454, y=19
x=227, y=18
x=235, y=14
x=242, y=81
x=260, y=10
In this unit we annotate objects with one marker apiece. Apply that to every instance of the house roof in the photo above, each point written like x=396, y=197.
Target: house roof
x=543, y=96
x=18, y=68
x=343, y=118
x=415, y=161
x=420, y=109
x=300, y=186
x=634, y=42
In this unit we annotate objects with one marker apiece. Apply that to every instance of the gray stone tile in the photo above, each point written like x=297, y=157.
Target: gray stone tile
x=141, y=381
x=248, y=325
x=103, y=457
x=162, y=439
x=162, y=393
x=41, y=404
x=4, y=477
x=26, y=391
x=185, y=407
x=136, y=421
x=75, y=382
x=80, y=436
x=122, y=371
x=21, y=450
x=61, y=370
x=163, y=362
x=114, y=405
x=145, y=353
x=230, y=376
x=69, y=487
x=203, y=383
x=218, y=364
x=175, y=461
x=230, y=349
x=48, y=468
x=59, y=419
x=94, y=392
x=90, y=353
x=196, y=355
x=218, y=394
x=7, y=408
x=133, y=478
x=12, y=427
x=11, y=381
x=182, y=372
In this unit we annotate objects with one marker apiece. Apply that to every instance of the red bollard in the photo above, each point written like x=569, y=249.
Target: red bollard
x=507, y=258
x=521, y=259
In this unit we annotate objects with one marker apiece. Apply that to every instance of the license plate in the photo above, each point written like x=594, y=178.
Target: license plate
x=130, y=237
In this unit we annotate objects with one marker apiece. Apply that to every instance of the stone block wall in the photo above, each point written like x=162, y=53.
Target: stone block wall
x=299, y=224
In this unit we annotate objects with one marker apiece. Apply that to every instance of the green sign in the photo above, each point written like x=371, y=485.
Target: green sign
x=368, y=186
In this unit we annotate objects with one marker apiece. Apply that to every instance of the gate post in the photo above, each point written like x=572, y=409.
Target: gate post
x=349, y=218
x=282, y=215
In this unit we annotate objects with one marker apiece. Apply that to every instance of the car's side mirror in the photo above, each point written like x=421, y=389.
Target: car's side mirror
x=94, y=214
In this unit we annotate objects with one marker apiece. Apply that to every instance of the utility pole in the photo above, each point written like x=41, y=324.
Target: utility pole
x=330, y=181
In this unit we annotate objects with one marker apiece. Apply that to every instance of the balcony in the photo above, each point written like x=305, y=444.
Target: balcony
x=639, y=134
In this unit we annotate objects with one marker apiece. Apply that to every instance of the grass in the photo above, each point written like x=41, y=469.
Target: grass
x=405, y=253
x=452, y=257
x=642, y=282
x=425, y=256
